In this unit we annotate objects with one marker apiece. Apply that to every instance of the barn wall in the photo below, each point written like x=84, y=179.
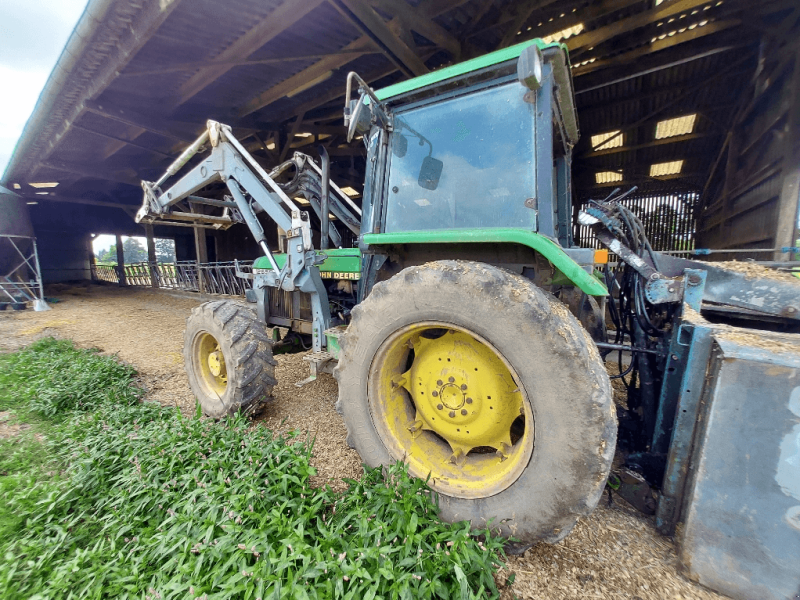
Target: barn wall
x=755, y=188
x=64, y=255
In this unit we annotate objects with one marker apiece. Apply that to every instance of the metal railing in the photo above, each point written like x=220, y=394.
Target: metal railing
x=217, y=277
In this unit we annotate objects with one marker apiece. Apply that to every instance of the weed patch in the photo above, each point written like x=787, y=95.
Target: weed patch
x=153, y=505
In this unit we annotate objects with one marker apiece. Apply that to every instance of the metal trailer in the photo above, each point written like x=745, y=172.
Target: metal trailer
x=482, y=271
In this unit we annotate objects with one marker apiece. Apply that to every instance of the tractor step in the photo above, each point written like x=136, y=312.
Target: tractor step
x=318, y=362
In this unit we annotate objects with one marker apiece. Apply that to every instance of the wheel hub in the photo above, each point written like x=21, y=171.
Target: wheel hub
x=216, y=363
x=447, y=403
x=452, y=397
x=209, y=363
x=461, y=395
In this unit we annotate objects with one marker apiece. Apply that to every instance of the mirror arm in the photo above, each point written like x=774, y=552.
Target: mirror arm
x=377, y=110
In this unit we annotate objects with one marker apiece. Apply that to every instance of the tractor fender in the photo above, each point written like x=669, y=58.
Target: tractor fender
x=549, y=249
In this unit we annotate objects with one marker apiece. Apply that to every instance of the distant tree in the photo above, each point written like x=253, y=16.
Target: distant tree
x=109, y=255
x=134, y=251
x=165, y=250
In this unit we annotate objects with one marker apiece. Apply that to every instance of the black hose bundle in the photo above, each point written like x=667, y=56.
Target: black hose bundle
x=630, y=309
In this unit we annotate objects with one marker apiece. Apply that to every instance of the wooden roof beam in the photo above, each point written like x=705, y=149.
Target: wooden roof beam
x=668, y=42
x=280, y=19
x=524, y=12
x=676, y=139
x=666, y=10
x=184, y=132
x=641, y=180
x=128, y=208
x=84, y=171
x=372, y=25
x=425, y=27
x=427, y=9
x=131, y=143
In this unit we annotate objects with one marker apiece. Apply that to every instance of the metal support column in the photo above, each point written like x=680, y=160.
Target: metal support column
x=152, y=261
x=120, y=262
x=201, y=248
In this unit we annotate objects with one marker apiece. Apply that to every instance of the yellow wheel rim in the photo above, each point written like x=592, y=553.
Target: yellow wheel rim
x=445, y=401
x=210, y=365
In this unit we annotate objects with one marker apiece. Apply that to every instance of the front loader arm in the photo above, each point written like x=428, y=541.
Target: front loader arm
x=252, y=190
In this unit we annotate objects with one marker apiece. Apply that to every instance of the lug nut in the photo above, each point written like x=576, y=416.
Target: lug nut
x=434, y=394
x=439, y=382
x=469, y=400
x=439, y=407
x=463, y=387
x=463, y=411
x=451, y=379
x=452, y=413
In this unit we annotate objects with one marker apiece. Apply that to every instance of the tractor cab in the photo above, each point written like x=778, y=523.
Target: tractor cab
x=483, y=144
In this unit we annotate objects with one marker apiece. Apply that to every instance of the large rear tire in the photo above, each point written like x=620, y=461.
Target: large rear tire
x=474, y=376
x=228, y=358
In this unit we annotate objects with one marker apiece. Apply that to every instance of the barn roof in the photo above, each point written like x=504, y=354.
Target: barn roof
x=657, y=83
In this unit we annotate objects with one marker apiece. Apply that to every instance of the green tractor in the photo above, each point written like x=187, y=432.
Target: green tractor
x=460, y=328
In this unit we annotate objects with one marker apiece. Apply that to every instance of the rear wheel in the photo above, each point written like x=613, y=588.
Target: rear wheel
x=477, y=378
x=228, y=358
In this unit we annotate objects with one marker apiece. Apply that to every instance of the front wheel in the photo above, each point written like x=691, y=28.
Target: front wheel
x=487, y=385
x=228, y=358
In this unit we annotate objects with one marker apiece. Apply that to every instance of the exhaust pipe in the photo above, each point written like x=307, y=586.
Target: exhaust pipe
x=323, y=201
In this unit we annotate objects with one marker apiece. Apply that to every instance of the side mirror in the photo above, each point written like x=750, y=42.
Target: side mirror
x=360, y=118
x=399, y=144
x=430, y=173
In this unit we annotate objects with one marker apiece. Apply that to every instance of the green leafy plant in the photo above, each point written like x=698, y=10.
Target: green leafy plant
x=154, y=505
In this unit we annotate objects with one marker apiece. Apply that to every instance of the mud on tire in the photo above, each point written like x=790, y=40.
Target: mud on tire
x=567, y=392
x=247, y=350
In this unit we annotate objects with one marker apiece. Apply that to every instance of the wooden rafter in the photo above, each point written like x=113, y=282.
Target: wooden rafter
x=129, y=208
x=280, y=19
x=176, y=131
x=650, y=48
x=684, y=93
x=245, y=62
x=131, y=143
x=644, y=180
x=425, y=27
x=524, y=11
x=427, y=9
x=84, y=171
x=677, y=139
x=666, y=10
x=294, y=131
x=372, y=25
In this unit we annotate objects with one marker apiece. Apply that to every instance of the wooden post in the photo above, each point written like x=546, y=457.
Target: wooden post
x=202, y=255
x=152, y=261
x=120, y=262
x=786, y=230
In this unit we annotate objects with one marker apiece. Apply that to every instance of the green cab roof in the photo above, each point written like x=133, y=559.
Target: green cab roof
x=558, y=55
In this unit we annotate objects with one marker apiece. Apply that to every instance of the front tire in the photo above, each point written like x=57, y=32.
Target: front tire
x=474, y=376
x=228, y=358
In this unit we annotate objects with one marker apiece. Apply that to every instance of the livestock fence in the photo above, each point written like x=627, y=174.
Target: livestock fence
x=216, y=278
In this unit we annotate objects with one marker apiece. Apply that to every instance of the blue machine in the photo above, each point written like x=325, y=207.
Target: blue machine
x=734, y=467
x=719, y=405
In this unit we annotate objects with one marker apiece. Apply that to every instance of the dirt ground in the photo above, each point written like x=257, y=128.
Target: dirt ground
x=614, y=554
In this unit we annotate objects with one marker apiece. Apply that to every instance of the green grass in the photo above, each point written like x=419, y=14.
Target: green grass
x=129, y=499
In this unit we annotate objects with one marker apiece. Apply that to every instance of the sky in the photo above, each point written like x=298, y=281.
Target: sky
x=32, y=35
